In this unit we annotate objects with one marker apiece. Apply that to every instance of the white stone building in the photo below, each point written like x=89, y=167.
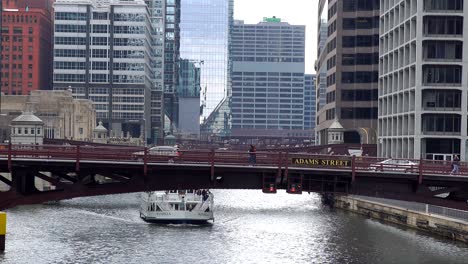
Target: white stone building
x=423, y=78
x=63, y=116
x=27, y=129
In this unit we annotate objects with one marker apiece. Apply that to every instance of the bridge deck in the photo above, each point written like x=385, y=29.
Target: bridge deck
x=316, y=172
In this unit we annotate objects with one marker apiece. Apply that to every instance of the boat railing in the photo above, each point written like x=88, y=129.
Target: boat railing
x=165, y=198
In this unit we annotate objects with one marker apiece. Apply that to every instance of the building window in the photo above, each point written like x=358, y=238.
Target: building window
x=72, y=28
x=331, y=97
x=441, y=123
x=99, y=53
x=442, y=74
x=70, y=16
x=330, y=114
x=360, y=59
x=359, y=113
x=359, y=95
x=443, y=5
x=361, y=23
x=360, y=5
x=359, y=77
x=99, y=28
x=360, y=41
x=99, y=15
x=442, y=100
x=100, y=41
x=443, y=49
x=443, y=25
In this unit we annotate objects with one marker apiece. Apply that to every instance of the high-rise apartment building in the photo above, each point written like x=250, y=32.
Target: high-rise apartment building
x=309, y=101
x=351, y=56
x=423, y=78
x=157, y=12
x=205, y=28
x=103, y=52
x=268, y=80
x=26, y=48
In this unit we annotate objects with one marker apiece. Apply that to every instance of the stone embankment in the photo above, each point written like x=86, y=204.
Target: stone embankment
x=449, y=227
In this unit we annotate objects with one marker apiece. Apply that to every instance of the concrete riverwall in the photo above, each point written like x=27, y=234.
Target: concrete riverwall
x=435, y=224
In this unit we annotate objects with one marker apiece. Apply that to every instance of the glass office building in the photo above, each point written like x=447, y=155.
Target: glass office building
x=102, y=53
x=205, y=38
x=157, y=11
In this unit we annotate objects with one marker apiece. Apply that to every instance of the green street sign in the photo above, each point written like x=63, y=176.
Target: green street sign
x=271, y=19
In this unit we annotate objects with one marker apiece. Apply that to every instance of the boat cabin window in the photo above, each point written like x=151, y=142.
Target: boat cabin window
x=151, y=207
x=178, y=207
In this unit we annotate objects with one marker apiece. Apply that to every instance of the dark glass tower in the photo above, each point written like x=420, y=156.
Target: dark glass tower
x=171, y=60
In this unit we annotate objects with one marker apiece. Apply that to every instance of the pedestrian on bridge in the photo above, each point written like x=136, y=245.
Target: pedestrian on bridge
x=455, y=164
x=252, y=155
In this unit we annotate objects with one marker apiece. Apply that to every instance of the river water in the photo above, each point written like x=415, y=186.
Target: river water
x=250, y=227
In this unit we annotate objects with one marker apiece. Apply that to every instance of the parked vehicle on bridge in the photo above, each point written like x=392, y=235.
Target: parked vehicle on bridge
x=394, y=165
x=163, y=151
x=177, y=206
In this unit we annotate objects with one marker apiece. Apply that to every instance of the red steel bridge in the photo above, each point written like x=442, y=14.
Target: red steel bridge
x=78, y=171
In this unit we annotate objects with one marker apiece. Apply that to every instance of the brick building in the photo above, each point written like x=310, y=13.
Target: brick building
x=26, y=28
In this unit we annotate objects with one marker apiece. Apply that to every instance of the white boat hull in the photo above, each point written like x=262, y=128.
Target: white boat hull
x=183, y=217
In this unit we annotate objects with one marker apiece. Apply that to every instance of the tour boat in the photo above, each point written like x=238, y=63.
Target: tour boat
x=177, y=207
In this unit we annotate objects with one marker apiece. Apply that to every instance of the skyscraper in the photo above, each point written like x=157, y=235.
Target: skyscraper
x=205, y=37
x=103, y=52
x=157, y=12
x=423, y=78
x=321, y=72
x=26, y=47
x=171, y=60
x=268, y=80
x=309, y=101
x=351, y=59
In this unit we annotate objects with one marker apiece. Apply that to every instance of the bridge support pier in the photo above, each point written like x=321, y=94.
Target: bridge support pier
x=23, y=181
x=461, y=195
x=328, y=199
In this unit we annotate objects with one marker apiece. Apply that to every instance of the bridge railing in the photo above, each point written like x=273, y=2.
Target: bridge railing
x=110, y=153
x=68, y=152
x=220, y=157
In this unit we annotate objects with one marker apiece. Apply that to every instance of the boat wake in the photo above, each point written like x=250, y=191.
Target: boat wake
x=108, y=216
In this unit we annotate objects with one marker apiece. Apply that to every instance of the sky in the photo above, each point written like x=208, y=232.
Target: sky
x=296, y=12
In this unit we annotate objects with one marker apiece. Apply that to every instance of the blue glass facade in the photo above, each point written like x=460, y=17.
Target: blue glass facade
x=205, y=38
